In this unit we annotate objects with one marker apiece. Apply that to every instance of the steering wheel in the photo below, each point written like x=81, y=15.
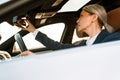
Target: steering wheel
x=4, y=55
x=20, y=42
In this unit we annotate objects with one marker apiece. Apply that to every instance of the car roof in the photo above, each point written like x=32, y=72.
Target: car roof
x=22, y=7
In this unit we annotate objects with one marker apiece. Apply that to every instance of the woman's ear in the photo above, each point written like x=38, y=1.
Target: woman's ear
x=95, y=17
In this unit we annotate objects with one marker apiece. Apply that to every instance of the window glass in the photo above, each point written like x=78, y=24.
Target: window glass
x=3, y=1
x=76, y=38
x=7, y=30
x=53, y=31
x=74, y=5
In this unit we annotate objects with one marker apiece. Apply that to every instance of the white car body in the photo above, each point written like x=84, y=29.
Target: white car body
x=97, y=62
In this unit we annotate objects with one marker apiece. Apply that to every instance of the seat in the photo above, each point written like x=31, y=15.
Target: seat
x=114, y=19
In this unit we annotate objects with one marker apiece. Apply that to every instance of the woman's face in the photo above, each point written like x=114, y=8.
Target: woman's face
x=84, y=21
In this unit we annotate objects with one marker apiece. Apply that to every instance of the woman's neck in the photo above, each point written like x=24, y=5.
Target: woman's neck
x=93, y=30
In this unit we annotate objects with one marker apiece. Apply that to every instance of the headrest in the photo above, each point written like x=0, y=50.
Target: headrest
x=114, y=18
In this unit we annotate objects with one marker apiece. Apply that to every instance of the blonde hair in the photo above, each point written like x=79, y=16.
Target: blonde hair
x=102, y=15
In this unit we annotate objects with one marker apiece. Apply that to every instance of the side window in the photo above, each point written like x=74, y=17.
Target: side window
x=53, y=31
x=76, y=38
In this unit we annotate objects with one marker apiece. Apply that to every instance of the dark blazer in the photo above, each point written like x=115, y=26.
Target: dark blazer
x=112, y=37
x=104, y=36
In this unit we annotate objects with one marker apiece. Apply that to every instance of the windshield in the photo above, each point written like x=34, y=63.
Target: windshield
x=7, y=30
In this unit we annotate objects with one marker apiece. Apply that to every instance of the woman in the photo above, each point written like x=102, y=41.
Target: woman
x=92, y=20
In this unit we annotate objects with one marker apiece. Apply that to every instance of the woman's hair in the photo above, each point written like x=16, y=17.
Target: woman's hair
x=102, y=15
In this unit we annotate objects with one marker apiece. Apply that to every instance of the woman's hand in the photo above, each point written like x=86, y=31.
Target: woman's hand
x=30, y=27
x=26, y=53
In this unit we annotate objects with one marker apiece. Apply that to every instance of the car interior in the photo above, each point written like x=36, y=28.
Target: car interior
x=45, y=12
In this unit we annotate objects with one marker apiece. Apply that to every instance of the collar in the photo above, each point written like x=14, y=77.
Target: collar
x=90, y=41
